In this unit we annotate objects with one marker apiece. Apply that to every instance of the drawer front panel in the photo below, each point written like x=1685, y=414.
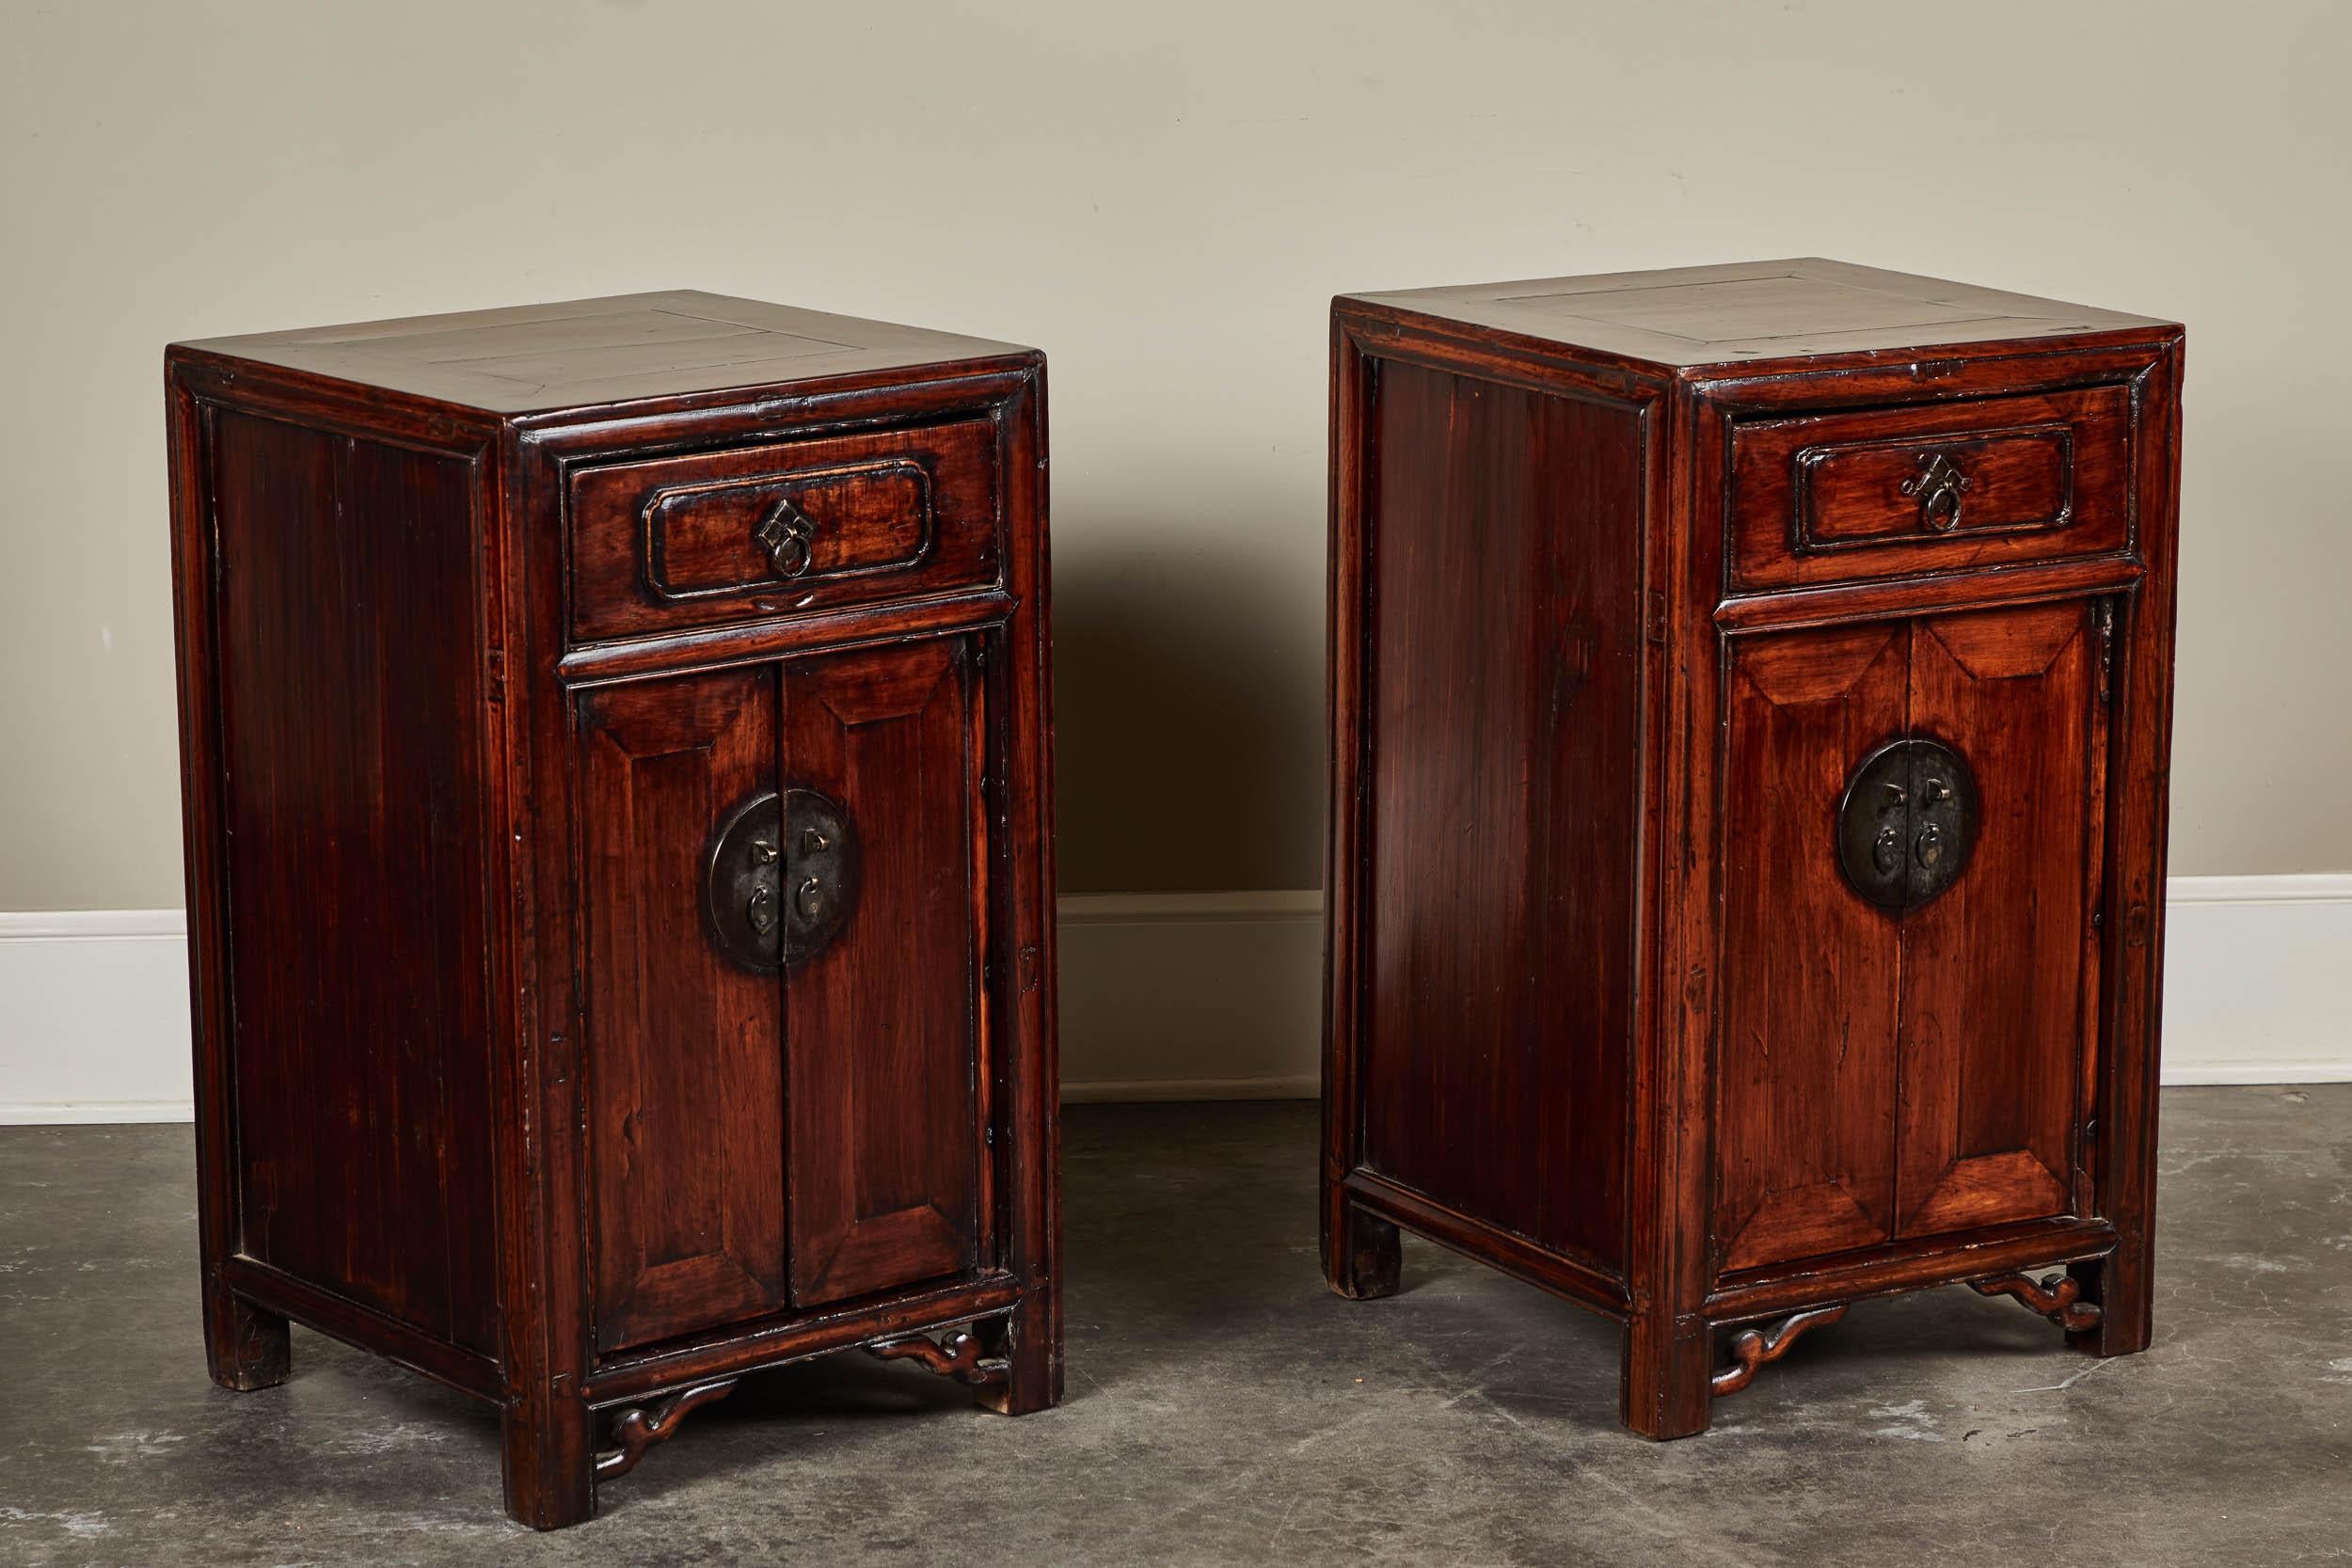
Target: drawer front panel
x=1860, y=494
x=781, y=528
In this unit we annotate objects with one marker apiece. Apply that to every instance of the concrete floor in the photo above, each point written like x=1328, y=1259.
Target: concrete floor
x=1224, y=1409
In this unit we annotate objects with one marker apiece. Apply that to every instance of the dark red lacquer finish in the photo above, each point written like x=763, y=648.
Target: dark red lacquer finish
x=1632, y=579
x=489, y=624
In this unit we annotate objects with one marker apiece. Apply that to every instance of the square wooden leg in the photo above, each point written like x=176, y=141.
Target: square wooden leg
x=1029, y=1339
x=1666, y=1391
x=546, y=1445
x=2120, y=1284
x=244, y=1345
x=1362, y=1254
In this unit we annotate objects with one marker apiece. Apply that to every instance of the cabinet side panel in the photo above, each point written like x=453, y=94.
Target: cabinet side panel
x=1503, y=698
x=352, y=744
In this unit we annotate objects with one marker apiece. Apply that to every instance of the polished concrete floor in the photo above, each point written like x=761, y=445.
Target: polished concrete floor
x=1224, y=1409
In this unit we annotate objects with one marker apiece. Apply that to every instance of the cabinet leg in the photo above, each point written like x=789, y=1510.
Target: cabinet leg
x=244, y=1345
x=1029, y=1338
x=1363, y=1255
x=2120, y=1285
x=1666, y=1390
x=545, y=1446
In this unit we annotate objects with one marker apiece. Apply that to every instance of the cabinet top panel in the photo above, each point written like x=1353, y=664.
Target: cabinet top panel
x=585, y=352
x=1753, y=311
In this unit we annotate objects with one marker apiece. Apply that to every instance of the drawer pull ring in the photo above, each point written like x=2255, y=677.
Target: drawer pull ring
x=1938, y=484
x=799, y=840
x=788, y=536
x=1906, y=823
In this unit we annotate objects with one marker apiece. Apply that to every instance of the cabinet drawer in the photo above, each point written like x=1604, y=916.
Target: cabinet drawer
x=1886, y=492
x=781, y=527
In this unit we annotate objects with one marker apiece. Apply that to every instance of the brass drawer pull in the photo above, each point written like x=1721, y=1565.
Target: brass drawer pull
x=788, y=536
x=1938, y=484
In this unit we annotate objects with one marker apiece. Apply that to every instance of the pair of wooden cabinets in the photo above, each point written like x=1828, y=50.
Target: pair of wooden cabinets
x=1751, y=700
x=617, y=777
x=617, y=787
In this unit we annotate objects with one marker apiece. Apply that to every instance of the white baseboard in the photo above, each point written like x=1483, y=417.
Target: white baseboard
x=1175, y=996
x=2258, y=980
x=94, y=1017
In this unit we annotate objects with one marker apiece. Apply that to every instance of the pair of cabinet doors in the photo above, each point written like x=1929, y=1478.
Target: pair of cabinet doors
x=1910, y=1062
x=861, y=1057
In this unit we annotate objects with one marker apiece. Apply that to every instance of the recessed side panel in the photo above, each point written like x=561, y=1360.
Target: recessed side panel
x=352, y=725
x=685, y=1047
x=1503, y=703
x=1995, y=970
x=884, y=1137
x=1804, y=1079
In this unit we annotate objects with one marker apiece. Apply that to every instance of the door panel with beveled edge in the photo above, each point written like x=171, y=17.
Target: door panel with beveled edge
x=884, y=1034
x=1999, y=972
x=1805, y=1075
x=684, y=1050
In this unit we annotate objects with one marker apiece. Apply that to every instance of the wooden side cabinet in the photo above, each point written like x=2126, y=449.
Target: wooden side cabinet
x=616, y=769
x=1751, y=694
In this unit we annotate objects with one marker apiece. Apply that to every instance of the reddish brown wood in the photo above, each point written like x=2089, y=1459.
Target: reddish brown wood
x=1367, y=1255
x=959, y=1355
x=635, y=1431
x=1992, y=973
x=1907, y=1264
x=793, y=1336
x=1819, y=1099
x=2123, y=1091
x=681, y=347
x=1755, y=318
x=272, y=1292
x=674, y=542
x=1806, y=1071
x=1372, y=1199
x=1504, y=848
x=353, y=865
x=685, y=1090
x=475, y=1088
x=884, y=1141
x=1819, y=497
x=1752, y=1349
x=2054, y=1298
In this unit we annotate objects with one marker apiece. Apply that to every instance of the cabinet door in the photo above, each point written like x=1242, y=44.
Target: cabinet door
x=1999, y=973
x=1805, y=1070
x=1895, y=1071
x=685, y=1072
x=882, y=1029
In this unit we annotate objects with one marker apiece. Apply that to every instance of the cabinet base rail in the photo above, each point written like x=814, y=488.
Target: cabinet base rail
x=959, y=1354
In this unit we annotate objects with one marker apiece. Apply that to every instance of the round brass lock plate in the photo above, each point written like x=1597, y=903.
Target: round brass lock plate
x=1907, y=823
x=780, y=879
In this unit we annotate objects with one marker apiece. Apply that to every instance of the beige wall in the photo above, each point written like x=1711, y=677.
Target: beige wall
x=1164, y=208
